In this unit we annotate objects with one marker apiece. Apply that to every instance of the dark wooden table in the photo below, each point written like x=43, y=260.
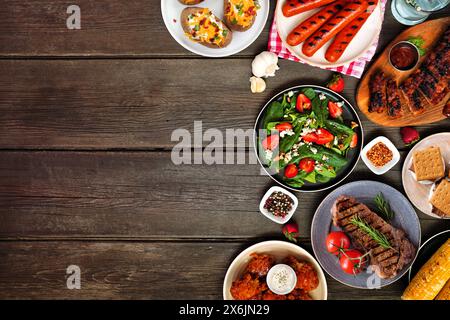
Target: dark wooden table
x=86, y=176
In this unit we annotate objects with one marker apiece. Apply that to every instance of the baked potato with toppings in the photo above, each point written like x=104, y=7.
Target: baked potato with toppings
x=240, y=15
x=190, y=2
x=202, y=26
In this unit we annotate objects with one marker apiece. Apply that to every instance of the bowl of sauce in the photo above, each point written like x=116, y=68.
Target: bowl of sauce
x=404, y=56
x=281, y=279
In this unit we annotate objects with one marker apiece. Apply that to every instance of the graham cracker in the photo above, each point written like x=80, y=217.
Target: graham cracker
x=441, y=197
x=428, y=164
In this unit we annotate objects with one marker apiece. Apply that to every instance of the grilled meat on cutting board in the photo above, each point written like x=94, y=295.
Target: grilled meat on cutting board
x=387, y=263
x=429, y=84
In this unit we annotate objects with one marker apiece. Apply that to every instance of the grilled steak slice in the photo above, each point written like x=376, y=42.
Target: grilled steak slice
x=378, y=93
x=416, y=103
x=387, y=262
x=393, y=100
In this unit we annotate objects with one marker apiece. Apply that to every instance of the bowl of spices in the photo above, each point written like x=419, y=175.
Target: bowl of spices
x=278, y=205
x=380, y=155
x=404, y=56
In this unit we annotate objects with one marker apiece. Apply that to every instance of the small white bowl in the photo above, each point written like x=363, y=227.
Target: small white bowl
x=269, y=215
x=387, y=166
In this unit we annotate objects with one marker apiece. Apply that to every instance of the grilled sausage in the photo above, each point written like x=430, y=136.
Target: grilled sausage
x=338, y=22
x=293, y=7
x=343, y=38
x=312, y=24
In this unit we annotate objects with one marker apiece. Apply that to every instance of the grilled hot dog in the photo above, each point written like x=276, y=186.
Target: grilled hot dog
x=338, y=22
x=312, y=24
x=293, y=7
x=343, y=38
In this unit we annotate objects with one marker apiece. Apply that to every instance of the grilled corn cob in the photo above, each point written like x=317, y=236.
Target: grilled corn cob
x=445, y=292
x=432, y=277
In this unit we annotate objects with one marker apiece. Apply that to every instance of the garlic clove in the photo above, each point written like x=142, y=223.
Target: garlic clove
x=257, y=85
x=265, y=64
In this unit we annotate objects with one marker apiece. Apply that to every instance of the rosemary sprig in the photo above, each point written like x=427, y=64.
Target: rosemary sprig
x=383, y=207
x=372, y=232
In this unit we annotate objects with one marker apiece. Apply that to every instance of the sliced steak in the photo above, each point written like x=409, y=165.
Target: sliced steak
x=378, y=93
x=394, y=105
x=387, y=262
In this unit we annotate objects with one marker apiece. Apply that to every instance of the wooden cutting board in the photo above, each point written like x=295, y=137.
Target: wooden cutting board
x=430, y=31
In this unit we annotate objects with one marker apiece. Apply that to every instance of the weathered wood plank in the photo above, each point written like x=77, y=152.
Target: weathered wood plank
x=141, y=196
x=109, y=28
x=123, y=270
x=136, y=104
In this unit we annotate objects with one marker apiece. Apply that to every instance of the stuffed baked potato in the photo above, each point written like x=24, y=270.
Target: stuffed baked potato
x=202, y=26
x=240, y=15
x=190, y=2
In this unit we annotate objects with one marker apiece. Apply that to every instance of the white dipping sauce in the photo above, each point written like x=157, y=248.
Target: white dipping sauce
x=281, y=279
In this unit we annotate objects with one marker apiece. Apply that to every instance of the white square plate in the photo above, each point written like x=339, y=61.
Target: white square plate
x=269, y=215
x=387, y=166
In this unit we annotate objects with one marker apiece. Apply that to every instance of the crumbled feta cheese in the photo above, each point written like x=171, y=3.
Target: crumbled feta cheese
x=324, y=158
x=313, y=150
x=307, y=130
x=286, y=133
x=322, y=96
x=269, y=155
x=290, y=93
x=288, y=157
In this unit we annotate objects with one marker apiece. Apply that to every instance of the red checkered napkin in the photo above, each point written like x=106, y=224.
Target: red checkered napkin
x=354, y=69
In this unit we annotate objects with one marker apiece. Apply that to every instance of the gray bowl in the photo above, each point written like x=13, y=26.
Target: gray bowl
x=364, y=191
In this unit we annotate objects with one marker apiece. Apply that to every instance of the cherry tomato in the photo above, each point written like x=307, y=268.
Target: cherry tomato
x=307, y=165
x=271, y=142
x=354, y=142
x=303, y=103
x=334, y=110
x=291, y=171
x=353, y=261
x=283, y=126
x=337, y=241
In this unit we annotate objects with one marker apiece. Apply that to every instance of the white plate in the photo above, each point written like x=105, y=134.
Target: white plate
x=279, y=250
x=269, y=215
x=419, y=193
x=171, y=11
x=359, y=45
x=387, y=166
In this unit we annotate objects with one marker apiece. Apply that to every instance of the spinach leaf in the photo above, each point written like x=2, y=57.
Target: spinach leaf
x=288, y=141
x=273, y=113
x=311, y=177
x=326, y=172
x=309, y=92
